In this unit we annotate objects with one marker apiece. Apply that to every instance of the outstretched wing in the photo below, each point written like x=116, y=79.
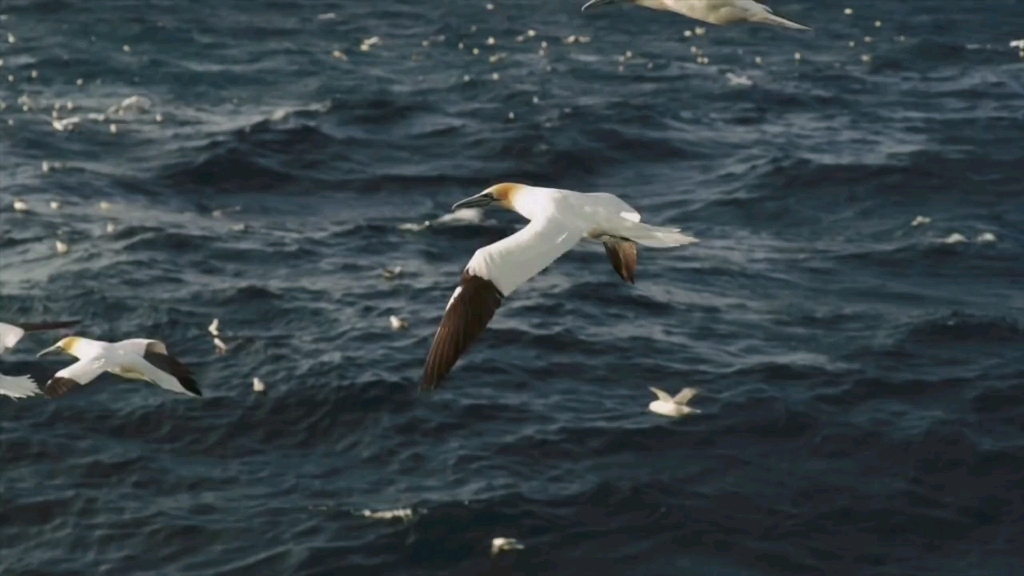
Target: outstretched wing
x=9, y=335
x=491, y=275
x=469, y=310
x=18, y=386
x=661, y=394
x=38, y=326
x=622, y=254
x=685, y=395
x=157, y=355
x=78, y=374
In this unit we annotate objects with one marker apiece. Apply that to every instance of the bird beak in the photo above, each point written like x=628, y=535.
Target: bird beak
x=54, y=348
x=594, y=3
x=480, y=200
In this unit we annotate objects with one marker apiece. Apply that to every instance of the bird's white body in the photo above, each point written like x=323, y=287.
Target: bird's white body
x=559, y=219
x=673, y=407
x=719, y=12
x=125, y=359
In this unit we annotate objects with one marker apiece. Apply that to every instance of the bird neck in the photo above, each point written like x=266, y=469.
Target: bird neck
x=532, y=203
x=84, y=347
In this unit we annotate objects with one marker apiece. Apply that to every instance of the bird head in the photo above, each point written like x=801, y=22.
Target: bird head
x=64, y=345
x=502, y=194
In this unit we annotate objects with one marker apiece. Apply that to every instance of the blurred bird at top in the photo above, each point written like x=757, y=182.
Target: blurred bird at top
x=721, y=12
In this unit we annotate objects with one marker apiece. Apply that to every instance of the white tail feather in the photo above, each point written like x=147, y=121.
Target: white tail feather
x=657, y=236
x=18, y=386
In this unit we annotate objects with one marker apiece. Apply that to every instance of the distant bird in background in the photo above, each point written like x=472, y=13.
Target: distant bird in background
x=134, y=359
x=559, y=219
x=673, y=406
x=22, y=386
x=721, y=12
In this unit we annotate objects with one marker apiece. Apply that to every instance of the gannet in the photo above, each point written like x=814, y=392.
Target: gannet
x=134, y=359
x=668, y=406
x=22, y=386
x=721, y=12
x=559, y=219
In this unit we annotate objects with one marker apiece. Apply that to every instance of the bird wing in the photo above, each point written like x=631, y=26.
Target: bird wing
x=36, y=327
x=18, y=386
x=491, y=275
x=9, y=335
x=159, y=376
x=685, y=395
x=157, y=355
x=622, y=254
x=78, y=374
x=661, y=394
x=513, y=260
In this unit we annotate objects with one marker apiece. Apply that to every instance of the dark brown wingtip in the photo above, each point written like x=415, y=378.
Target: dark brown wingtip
x=37, y=326
x=175, y=368
x=464, y=319
x=58, y=386
x=622, y=254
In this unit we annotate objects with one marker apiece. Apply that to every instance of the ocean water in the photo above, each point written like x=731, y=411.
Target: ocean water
x=862, y=378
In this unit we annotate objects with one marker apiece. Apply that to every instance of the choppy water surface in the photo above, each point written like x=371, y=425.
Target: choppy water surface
x=862, y=378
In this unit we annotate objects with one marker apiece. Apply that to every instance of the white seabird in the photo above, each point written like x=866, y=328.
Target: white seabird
x=673, y=406
x=22, y=386
x=134, y=359
x=559, y=219
x=720, y=12
x=499, y=545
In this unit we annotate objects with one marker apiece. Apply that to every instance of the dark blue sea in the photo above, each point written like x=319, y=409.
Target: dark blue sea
x=861, y=377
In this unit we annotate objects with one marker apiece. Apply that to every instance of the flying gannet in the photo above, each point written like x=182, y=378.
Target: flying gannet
x=134, y=359
x=559, y=219
x=721, y=12
x=672, y=406
x=22, y=386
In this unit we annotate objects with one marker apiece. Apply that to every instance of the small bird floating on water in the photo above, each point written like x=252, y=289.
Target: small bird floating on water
x=668, y=406
x=397, y=323
x=22, y=386
x=134, y=359
x=721, y=12
x=499, y=545
x=219, y=346
x=559, y=219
